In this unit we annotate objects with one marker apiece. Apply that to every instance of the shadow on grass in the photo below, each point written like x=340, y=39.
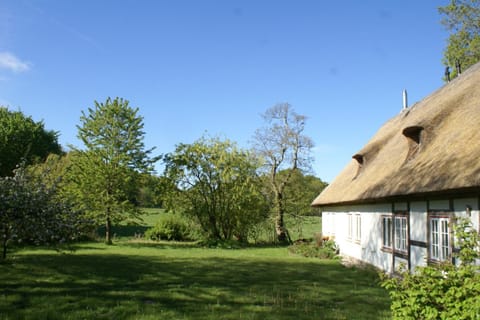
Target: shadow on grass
x=124, y=231
x=115, y=286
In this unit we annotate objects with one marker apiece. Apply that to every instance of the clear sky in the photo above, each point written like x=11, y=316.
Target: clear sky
x=196, y=66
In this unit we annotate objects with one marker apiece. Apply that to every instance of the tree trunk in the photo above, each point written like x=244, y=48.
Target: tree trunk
x=108, y=234
x=280, y=230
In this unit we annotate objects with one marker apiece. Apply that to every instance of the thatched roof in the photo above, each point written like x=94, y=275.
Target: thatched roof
x=430, y=148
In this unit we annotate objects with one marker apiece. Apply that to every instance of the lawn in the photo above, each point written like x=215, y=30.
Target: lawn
x=135, y=280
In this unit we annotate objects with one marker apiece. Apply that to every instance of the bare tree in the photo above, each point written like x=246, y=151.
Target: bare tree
x=282, y=146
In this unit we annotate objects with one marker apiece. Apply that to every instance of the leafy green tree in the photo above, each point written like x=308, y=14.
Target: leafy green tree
x=53, y=170
x=300, y=192
x=23, y=140
x=104, y=178
x=150, y=193
x=282, y=146
x=216, y=183
x=462, y=19
x=32, y=212
x=445, y=291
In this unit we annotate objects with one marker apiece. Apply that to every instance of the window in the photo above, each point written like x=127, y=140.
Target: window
x=354, y=231
x=400, y=233
x=360, y=161
x=387, y=232
x=414, y=137
x=350, y=227
x=358, y=229
x=439, y=239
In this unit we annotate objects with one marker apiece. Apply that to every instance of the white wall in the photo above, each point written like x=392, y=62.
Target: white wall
x=418, y=221
x=369, y=249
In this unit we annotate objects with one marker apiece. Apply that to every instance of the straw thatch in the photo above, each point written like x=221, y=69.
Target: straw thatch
x=393, y=165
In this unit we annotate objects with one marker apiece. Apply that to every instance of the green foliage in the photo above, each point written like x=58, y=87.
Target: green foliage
x=104, y=178
x=31, y=212
x=443, y=291
x=323, y=250
x=300, y=192
x=23, y=140
x=462, y=19
x=169, y=227
x=215, y=182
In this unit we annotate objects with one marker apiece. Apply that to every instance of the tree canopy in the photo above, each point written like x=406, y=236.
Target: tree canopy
x=300, y=192
x=462, y=19
x=22, y=140
x=104, y=176
x=216, y=183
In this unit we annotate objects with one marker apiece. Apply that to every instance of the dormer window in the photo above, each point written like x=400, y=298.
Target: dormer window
x=361, y=161
x=413, y=133
x=414, y=138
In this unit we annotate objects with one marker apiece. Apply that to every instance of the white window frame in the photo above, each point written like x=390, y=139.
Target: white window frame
x=440, y=242
x=350, y=226
x=387, y=232
x=400, y=229
x=358, y=228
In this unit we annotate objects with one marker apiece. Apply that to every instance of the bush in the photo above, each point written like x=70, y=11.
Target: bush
x=444, y=291
x=325, y=250
x=169, y=227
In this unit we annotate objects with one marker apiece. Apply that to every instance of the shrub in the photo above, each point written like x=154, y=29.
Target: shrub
x=325, y=250
x=444, y=291
x=169, y=227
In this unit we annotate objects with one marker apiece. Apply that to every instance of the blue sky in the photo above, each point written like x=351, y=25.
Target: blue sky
x=196, y=66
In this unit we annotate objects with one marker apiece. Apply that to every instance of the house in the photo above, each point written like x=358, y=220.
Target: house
x=396, y=200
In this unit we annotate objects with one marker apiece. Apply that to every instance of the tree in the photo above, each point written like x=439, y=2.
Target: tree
x=298, y=196
x=150, y=193
x=462, y=19
x=216, y=183
x=23, y=140
x=104, y=177
x=300, y=192
x=32, y=212
x=282, y=145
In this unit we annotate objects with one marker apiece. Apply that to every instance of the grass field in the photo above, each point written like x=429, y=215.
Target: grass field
x=144, y=280
x=307, y=229
x=173, y=281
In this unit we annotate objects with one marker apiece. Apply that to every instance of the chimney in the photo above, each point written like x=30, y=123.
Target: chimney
x=405, y=101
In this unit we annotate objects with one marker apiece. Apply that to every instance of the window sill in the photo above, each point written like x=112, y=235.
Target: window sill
x=438, y=262
x=400, y=254
x=387, y=249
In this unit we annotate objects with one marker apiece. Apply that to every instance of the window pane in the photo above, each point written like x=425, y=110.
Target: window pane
x=439, y=239
x=350, y=226
x=445, y=240
x=401, y=233
x=358, y=233
x=387, y=232
x=434, y=240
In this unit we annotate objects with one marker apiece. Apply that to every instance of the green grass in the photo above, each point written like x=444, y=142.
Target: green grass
x=134, y=280
x=149, y=218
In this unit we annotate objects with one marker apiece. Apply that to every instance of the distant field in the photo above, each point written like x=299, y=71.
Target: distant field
x=135, y=280
x=307, y=229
